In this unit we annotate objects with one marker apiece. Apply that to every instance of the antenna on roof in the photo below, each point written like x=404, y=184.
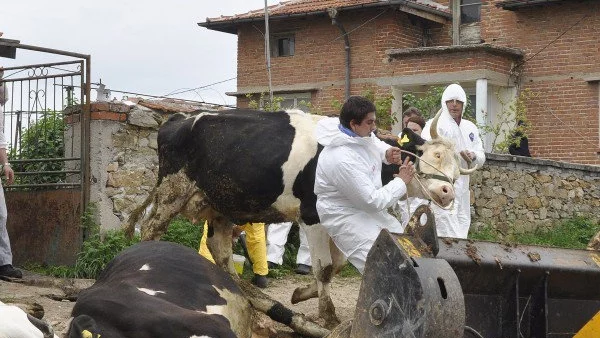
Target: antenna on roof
x=268, y=51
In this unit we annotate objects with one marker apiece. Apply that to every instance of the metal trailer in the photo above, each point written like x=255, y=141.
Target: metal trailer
x=416, y=285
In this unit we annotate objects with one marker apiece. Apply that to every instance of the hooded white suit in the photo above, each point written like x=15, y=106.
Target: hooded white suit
x=456, y=221
x=351, y=201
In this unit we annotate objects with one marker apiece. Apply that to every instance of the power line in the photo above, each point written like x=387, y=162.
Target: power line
x=556, y=39
x=261, y=70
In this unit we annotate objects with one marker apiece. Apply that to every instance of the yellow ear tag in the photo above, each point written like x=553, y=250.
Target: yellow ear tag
x=87, y=334
x=403, y=140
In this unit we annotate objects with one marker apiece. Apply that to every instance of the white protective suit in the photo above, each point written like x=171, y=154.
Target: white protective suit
x=351, y=201
x=277, y=236
x=456, y=221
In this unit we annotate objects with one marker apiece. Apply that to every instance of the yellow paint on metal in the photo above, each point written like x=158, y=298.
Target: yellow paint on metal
x=591, y=329
x=410, y=248
x=596, y=258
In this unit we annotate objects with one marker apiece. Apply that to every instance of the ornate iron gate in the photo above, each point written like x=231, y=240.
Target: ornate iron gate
x=49, y=155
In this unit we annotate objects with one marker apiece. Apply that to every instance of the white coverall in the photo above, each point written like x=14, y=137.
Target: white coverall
x=5, y=251
x=351, y=201
x=456, y=221
x=277, y=234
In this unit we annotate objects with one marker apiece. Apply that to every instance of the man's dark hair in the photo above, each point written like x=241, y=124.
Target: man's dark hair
x=412, y=111
x=418, y=120
x=356, y=108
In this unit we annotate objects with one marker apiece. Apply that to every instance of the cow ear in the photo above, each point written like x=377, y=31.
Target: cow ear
x=410, y=139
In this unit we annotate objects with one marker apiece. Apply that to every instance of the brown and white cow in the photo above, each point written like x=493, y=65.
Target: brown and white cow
x=240, y=166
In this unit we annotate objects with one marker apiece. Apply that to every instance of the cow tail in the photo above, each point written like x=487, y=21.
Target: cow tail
x=129, y=226
x=279, y=313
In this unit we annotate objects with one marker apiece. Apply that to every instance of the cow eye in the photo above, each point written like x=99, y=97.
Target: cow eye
x=437, y=155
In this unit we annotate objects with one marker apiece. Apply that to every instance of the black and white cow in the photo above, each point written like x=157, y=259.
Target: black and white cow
x=239, y=166
x=161, y=289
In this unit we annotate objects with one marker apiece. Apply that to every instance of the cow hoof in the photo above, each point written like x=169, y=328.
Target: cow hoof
x=331, y=323
x=260, y=281
x=296, y=298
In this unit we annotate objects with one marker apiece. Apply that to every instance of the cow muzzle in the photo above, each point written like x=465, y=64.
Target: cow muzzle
x=443, y=194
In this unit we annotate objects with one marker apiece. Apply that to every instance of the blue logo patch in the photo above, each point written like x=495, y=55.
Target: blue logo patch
x=472, y=137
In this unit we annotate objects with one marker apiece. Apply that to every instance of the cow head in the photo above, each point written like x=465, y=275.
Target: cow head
x=436, y=161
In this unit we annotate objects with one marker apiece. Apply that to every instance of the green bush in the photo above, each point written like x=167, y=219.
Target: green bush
x=184, y=232
x=43, y=138
x=98, y=250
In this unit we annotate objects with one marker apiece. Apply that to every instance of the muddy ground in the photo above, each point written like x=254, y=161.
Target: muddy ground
x=53, y=295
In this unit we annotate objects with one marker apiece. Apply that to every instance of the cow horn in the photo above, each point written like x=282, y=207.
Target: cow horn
x=433, y=129
x=464, y=171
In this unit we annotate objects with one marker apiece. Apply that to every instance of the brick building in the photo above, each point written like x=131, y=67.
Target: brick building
x=323, y=50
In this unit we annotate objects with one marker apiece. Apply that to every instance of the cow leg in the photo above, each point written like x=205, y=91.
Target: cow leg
x=279, y=313
x=220, y=232
x=324, y=269
x=172, y=194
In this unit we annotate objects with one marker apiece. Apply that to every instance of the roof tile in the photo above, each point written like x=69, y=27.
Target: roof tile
x=309, y=6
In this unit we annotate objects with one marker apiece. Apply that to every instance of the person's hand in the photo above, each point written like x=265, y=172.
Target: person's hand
x=9, y=173
x=468, y=156
x=393, y=155
x=407, y=171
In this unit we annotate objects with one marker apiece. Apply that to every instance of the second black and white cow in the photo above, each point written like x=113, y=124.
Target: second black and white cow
x=161, y=289
x=239, y=166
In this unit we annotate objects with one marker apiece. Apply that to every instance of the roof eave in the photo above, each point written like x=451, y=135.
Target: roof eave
x=424, y=11
x=512, y=5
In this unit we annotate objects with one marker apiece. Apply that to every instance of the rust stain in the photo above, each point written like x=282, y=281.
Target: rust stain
x=498, y=262
x=472, y=253
x=534, y=256
x=410, y=249
x=596, y=258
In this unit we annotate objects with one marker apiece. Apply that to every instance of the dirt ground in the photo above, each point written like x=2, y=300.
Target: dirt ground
x=53, y=295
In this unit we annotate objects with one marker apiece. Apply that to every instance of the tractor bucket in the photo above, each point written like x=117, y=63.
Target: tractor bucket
x=473, y=288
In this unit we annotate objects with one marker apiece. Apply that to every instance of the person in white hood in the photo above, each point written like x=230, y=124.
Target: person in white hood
x=352, y=203
x=456, y=221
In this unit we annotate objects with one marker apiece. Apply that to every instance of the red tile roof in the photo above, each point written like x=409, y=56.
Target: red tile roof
x=292, y=7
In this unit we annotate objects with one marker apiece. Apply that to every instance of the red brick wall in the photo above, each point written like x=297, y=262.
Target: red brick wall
x=564, y=115
x=320, y=56
x=555, y=74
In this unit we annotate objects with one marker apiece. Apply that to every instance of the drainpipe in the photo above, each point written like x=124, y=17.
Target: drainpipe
x=333, y=14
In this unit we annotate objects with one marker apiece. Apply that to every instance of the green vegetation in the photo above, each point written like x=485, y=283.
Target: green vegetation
x=512, y=124
x=43, y=138
x=429, y=103
x=383, y=105
x=267, y=105
x=572, y=234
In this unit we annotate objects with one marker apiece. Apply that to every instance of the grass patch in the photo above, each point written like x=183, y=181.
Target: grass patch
x=570, y=234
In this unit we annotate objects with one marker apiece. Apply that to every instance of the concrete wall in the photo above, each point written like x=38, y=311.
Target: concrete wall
x=508, y=191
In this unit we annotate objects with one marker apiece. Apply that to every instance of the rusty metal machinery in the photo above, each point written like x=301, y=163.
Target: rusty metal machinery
x=462, y=288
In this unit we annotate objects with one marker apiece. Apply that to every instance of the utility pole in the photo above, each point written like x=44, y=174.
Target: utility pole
x=268, y=51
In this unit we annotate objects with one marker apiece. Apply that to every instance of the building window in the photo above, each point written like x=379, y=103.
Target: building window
x=283, y=45
x=291, y=101
x=470, y=11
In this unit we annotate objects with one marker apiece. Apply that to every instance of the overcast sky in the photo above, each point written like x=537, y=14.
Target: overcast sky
x=151, y=47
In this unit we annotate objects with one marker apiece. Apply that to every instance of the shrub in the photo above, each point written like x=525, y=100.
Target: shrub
x=42, y=139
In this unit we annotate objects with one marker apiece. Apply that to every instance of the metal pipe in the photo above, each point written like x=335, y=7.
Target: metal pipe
x=333, y=14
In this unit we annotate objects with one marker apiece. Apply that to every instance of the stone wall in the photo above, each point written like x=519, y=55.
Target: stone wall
x=123, y=154
x=525, y=193
x=509, y=191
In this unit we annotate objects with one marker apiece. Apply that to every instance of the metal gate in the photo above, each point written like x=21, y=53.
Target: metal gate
x=48, y=153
